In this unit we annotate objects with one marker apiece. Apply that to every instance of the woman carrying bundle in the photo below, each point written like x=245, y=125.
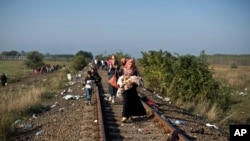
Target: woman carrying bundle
x=128, y=82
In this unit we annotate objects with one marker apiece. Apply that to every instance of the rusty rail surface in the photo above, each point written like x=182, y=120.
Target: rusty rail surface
x=165, y=124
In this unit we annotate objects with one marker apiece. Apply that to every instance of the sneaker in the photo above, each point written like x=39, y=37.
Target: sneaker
x=123, y=119
x=113, y=101
x=130, y=119
x=110, y=98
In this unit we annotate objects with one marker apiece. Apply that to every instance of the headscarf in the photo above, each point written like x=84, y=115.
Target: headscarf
x=129, y=68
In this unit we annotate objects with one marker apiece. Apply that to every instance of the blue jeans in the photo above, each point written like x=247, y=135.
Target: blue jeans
x=88, y=94
x=112, y=91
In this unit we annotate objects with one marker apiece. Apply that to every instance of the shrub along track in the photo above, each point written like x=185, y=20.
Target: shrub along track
x=73, y=120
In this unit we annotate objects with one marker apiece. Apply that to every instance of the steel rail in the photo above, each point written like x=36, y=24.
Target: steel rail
x=174, y=134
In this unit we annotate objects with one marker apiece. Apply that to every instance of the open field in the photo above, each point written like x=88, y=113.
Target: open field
x=238, y=79
x=15, y=69
x=235, y=77
x=18, y=99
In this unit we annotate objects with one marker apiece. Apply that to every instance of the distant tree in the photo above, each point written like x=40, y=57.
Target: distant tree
x=10, y=53
x=34, y=60
x=5, y=53
x=233, y=65
x=80, y=60
x=13, y=53
x=119, y=55
x=23, y=53
x=85, y=54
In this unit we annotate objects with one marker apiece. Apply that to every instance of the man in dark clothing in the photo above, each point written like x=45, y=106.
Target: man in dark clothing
x=4, y=79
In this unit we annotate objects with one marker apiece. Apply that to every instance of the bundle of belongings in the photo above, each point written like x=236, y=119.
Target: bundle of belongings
x=127, y=82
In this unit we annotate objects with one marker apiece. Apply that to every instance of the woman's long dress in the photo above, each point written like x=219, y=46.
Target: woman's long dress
x=132, y=105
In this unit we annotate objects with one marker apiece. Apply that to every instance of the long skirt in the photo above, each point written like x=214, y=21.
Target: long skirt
x=132, y=105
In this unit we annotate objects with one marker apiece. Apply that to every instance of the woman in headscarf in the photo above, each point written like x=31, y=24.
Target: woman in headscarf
x=132, y=105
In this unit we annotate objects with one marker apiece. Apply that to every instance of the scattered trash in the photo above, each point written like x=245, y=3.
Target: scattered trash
x=27, y=126
x=34, y=116
x=39, y=132
x=54, y=105
x=18, y=121
x=70, y=90
x=242, y=93
x=167, y=99
x=177, y=122
x=152, y=103
x=211, y=125
x=163, y=117
x=140, y=130
x=69, y=77
x=61, y=109
x=157, y=95
x=63, y=92
x=69, y=97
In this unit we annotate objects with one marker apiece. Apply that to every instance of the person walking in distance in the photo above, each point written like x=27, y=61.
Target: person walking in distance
x=98, y=80
x=112, y=70
x=128, y=83
x=89, y=84
x=4, y=80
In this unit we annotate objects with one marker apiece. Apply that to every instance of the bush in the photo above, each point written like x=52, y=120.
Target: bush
x=34, y=60
x=233, y=65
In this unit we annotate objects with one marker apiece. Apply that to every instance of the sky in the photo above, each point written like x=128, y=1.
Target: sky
x=127, y=26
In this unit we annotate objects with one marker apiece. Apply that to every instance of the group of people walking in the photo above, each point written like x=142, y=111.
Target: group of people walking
x=128, y=81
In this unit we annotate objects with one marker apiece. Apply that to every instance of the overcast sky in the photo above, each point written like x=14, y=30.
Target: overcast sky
x=130, y=26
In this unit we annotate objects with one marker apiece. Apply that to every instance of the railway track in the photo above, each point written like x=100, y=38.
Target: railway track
x=150, y=127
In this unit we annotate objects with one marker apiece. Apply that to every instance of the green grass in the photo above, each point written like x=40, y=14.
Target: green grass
x=14, y=69
x=16, y=102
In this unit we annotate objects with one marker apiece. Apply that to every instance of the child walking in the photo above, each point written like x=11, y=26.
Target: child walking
x=89, y=84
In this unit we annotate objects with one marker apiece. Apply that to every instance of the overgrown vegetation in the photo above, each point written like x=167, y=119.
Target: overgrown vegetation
x=186, y=78
x=81, y=59
x=34, y=60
